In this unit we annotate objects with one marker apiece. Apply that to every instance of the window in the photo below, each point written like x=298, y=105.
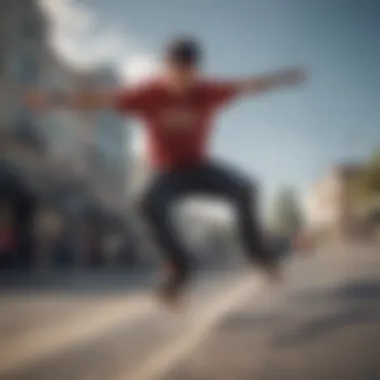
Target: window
x=29, y=71
x=25, y=69
x=24, y=128
x=31, y=29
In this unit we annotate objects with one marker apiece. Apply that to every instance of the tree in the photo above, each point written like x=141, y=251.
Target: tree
x=372, y=176
x=287, y=212
x=365, y=187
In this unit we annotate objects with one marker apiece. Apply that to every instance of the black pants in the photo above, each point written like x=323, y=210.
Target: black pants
x=207, y=179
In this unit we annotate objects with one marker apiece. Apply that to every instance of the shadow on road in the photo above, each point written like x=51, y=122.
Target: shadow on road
x=318, y=328
x=361, y=305
x=248, y=321
x=361, y=290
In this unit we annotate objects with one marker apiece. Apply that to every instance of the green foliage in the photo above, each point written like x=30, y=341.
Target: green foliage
x=365, y=187
x=373, y=175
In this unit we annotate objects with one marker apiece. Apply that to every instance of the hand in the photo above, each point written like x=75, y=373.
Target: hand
x=292, y=76
x=36, y=100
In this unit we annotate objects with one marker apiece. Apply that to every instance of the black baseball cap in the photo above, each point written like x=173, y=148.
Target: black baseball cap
x=184, y=51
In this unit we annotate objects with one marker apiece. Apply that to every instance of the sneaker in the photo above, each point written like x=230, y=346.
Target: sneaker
x=172, y=301
x=273, y=272
x=170, y=291
x=278, y=249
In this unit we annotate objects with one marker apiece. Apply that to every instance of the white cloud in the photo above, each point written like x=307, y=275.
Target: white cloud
x=138, y=67
x=73, y=37
x=69, y=26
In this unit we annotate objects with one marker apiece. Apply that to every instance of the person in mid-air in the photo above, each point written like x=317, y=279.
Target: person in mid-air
x=178, y=109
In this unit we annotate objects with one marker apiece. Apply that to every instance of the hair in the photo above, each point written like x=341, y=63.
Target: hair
x=184, y=51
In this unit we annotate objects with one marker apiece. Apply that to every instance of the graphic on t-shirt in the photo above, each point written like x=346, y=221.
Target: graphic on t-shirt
x=178, y=119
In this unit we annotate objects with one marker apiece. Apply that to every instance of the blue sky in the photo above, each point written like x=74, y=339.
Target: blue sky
x=289, y=137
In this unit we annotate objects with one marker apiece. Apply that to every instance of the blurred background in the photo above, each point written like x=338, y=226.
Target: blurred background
x=69, y=180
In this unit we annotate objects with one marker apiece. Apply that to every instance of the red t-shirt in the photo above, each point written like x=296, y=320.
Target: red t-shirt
x=178, y=126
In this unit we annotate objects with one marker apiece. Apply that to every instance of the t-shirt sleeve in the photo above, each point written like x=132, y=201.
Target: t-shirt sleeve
x=134, y=100
x=221, y=93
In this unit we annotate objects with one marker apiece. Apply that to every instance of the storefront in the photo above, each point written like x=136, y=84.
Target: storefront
x=59, y=225
x=17, y=208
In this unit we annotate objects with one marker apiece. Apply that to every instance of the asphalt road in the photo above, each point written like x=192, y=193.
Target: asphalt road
x=322, y=323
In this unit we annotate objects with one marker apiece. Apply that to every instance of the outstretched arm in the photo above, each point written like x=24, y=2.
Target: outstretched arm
x=223, y=92
x=130, y=100
x=39, y=100
x=259, y=84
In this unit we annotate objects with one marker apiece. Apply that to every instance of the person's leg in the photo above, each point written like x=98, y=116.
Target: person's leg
x=157, y=207
x=245, y=197
x=222, y=181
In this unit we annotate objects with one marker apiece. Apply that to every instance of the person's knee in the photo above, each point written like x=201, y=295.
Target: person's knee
x=149, y=207
x=145, y=206
x=182, y=270
x=247, y=191
x=154, y=202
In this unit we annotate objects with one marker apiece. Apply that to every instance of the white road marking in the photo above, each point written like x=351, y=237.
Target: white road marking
x=45, y=342
x=205, y=320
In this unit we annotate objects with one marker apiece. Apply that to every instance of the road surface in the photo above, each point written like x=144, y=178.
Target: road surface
x=323, y=323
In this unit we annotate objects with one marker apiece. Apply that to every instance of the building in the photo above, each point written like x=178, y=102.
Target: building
x=27, y=61
x=328, y=207
x=111, y=153
x=69, y=145
x=44, y=150
x=23, y=32
x=22, y=45
x=72, y=162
